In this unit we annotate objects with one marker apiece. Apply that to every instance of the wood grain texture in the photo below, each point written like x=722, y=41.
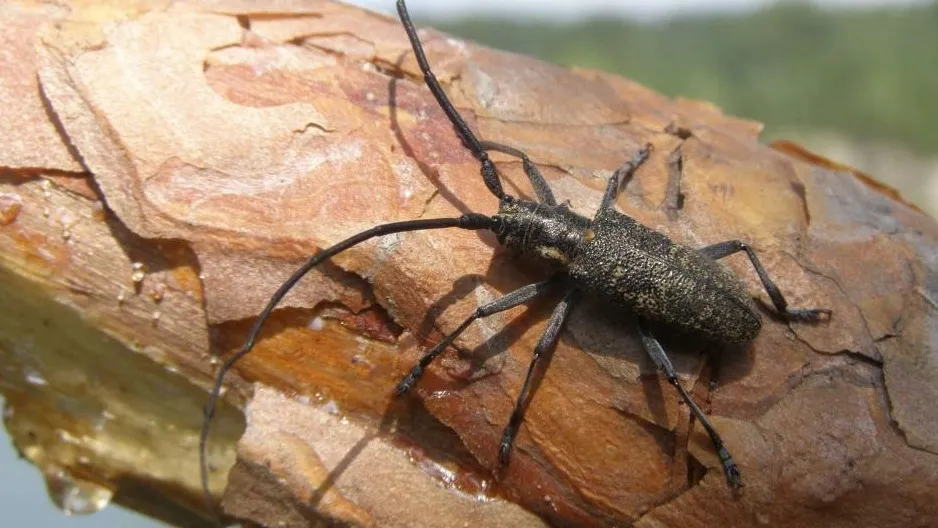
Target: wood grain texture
x=214, y=145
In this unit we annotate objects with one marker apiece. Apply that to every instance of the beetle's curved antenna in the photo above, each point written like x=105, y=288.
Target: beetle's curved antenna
x=478, y=147
x=489, y=174
x=472, y=221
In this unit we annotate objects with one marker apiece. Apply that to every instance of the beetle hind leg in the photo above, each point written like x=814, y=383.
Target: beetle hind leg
x=658, y=355
x=725, y=249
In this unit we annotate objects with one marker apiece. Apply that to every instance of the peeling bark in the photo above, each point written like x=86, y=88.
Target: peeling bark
x=194, y=153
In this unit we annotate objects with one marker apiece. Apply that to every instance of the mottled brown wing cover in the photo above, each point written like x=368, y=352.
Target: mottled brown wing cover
x=629, y=265
x=229, y=140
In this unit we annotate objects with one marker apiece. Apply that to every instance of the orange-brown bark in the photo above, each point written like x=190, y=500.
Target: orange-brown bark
x=194, y=154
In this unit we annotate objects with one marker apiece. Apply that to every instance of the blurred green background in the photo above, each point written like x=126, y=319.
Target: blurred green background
x=858, y=85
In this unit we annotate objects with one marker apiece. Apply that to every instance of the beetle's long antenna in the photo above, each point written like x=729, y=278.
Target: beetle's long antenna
x=466, y=221
x=489, y=174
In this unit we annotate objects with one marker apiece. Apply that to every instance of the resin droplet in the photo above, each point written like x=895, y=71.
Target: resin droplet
x=33, y=377
x=139, y=272
x=76, y=496
x=97, y=210
x=10, y=207
x=157, y=292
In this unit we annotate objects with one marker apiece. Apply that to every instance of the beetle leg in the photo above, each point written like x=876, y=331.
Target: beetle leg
x=725, y=249
x=546, y=343
x=625, y=171
x=515, y=298
x=541, y=187
x=660, y=358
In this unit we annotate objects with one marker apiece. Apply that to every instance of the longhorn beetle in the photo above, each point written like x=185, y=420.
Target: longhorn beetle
x=611, y=257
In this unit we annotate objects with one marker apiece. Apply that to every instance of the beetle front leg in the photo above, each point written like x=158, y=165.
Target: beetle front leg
x=540, y=185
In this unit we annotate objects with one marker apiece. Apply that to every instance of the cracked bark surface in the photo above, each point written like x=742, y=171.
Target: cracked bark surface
x=219, y=144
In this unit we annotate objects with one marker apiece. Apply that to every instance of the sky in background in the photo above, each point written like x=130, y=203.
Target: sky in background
x=572, y=9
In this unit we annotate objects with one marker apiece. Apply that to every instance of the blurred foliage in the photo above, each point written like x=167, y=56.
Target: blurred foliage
x=868, y=73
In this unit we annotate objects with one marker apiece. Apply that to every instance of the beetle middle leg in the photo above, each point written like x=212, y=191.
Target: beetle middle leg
x=546, y=343
x=515, y=298
x=725, y=249
x=658, y=355
x=620, y=174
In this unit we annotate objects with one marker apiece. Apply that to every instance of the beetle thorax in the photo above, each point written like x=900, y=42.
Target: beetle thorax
x=551, y=233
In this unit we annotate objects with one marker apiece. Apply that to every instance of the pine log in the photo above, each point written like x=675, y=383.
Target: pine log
x=166, y=165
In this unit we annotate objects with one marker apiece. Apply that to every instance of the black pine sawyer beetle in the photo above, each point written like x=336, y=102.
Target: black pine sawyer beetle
x=610, y=257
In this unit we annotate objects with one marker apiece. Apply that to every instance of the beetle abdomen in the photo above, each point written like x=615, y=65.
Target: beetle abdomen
x=632, y=266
